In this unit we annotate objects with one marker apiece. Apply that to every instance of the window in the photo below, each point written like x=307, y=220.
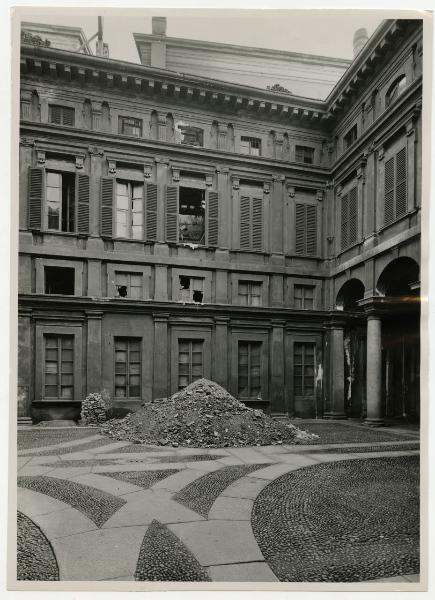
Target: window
x=306, y=229
x=130, y=126
x=128, y=285
x=395, y=90
x=190, y=361
x=304, y=367
x=191, y=215
x=350, y=136
x=191, y=289
x=395, y=187
x=61, y=115
x=250, y=145
x=59, y=367
x=187, y=135
x=349, y=218
x=129, y=210
x=251, y=222
x=303, y=296
x=59, y=280
x=60, y=205
x=304, y=154
x=250, y=293
x=249, y=375
x=127, y=367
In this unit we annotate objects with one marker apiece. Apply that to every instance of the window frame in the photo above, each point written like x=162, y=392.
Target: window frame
x=129, y=210
x=138, y=124
x=304, y=288
x=250, y=344
x=394, y=91
x=304, y=344
x=250, y=283
x=64, y=109
x=190, y=342
x=144, y=271
x=255, y=143
x=350, y=137
x=62, y=174
x=304, y=154
x=128, y=340
x=314, y=283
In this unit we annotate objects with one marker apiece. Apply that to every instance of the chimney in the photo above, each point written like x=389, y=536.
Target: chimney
x=159, y=25
x=360, y=38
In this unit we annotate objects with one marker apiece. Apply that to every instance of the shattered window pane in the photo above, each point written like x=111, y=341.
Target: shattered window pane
x=191, y=219
x=191, y=289
x=186, y=134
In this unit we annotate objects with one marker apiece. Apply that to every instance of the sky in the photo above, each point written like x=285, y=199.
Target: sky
x=325, y=33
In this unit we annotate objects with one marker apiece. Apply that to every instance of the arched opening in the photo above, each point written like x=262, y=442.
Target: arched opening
x=230, y=137
x=214, y=132
x=349, y=294
x=154, y=125
x=169, y=127
x=399, y=279
x=395, y=90
x=271, y=143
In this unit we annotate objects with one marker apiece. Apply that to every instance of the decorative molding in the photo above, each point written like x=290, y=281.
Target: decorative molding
x=266, y=187
x=291, y=191
x=175, y=175
x=235, y=181
x=330, y=238
x=361, y=173
x=147, y=170
x=209, y=180
x=112, y=166
x=40, y=157
x=80, y=159
x=319, y=195
x=222, y=170
x=27, y=141
x=95, y=151
x=339, y=190
x=381, y=153
x=162, y=160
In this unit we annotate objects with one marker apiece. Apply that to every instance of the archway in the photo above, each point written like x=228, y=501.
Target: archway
x=349, y=294
x=398, y=278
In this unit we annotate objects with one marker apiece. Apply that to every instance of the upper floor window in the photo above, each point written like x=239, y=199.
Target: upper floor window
x=350, y=136
x=349, y=218
x=191, y=289
x=306, y=229
x=304, y=296
x=188, y=135
x=250, y=145
x=395, y=187
x=61, y=115
x=304, y=154
x=129, y=209
x=130, y=126
x=59, y=280
x=395, y=90
x=250, y=293
x=191, y=215
x=60, y=204
x=128, y=285
x=251, y=219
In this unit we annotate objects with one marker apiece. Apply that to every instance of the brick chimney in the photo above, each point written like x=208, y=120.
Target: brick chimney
x=159, y=25
x=360, y=38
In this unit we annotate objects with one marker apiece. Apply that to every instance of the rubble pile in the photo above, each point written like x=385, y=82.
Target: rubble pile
x=202, y=415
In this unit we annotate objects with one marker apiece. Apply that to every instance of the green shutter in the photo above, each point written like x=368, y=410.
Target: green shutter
x=245, y=222
x=257, y=223
x=151, y=211
x=171, y=213
x=107, y=206
x=83, y=204
x=212, y=218
x=389, y=215
x=35, y=196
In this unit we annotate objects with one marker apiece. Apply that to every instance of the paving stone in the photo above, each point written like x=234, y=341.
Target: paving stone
x=114, y=553
x=142, y=479
x=35, y=557
x=274, y=471
x=110, y=446
x=33, y=503
x=179, y=480
x=64, y=523
x=67, y=472
x=247, y=487
x=231, y=460
x=294, y=459
x=106, y=484
x=140, y=466
x=29, y=439
x=237, y=509
x=21, y=461
x=69, y=448
x=29, y=470
x=219, y=542
x=163, y=557
x=249, y=455
x=243, y=572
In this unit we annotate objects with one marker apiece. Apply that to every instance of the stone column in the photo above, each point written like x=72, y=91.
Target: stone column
x=336, y=370
x=93, y=362
x=161, y=377
x=374, y=370
x=220, y=358
x=277, y=393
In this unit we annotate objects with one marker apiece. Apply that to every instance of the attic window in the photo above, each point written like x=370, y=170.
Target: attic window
x=191, y=215
x=188, y=135
x=350, y=136
x=395, y=90
x=191, y=289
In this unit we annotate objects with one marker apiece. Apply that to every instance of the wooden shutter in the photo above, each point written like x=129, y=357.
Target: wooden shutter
x=344, y=221
x=401, y=184
x=68, y=117
x=311, y=228
x=245, y=222
x=56, y=115
x=171, y=213
x=82, y=203
x=151, y=212
x=389, y=192
x=353, y=216
x=212, y=218
x=35, y=196
x=257, y=223
x=300, y=228
x=107, y=184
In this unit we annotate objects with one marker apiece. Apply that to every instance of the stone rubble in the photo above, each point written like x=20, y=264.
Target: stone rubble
x=203, y=415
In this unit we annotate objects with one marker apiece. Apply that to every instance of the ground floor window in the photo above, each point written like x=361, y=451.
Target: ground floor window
x=249, y=373
x=190, y=361
x=59, y=367
x=304, y=359
x=127, y=367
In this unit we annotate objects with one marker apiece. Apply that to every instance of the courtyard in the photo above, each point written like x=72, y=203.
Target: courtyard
x=342, y=509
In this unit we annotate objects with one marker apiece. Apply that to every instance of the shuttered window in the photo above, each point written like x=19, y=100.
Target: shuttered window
x=349, y=218
x=190, y=361
x=249, y=370
x=395, y=198
x=251, y=223
x=304, y=368
x=192, y=215
x=151, y=211
x=127, y=367
x=306, y=229
x=59, y=367
x=128, y=285
x=129, y=210
x=212, y=218
x=61, y=115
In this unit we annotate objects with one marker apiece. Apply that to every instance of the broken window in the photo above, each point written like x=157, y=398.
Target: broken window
x=191, y=215
x=60, y=206
x=130, y=126
x=191, y=289
x=250, y=293
x=250, y=145
x=128, y=285
x=129, y=210
x=59, y=280
x=188, y=135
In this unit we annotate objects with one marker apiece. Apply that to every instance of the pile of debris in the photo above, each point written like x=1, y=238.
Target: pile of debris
x=203, y=415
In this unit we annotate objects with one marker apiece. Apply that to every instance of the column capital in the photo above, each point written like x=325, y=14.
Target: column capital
x=161, y=317
x=374, y=307
x=336, y=320
x=221, y=320
x=94, y=314
x=278, y=323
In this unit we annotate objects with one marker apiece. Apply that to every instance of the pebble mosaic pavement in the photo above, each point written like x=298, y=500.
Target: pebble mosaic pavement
x=238, y=514
x=35, y=556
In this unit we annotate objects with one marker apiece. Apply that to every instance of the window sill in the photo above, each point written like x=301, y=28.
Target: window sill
x=70, y=234
x=398, y=220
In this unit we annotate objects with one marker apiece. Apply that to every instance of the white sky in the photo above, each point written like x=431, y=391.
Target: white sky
x=327, y=33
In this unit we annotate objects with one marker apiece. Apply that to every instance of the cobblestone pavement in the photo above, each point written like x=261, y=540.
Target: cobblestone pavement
x=108, y=510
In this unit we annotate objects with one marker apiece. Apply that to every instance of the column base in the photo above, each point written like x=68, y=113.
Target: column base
x=376, y=422
x=335, y=415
